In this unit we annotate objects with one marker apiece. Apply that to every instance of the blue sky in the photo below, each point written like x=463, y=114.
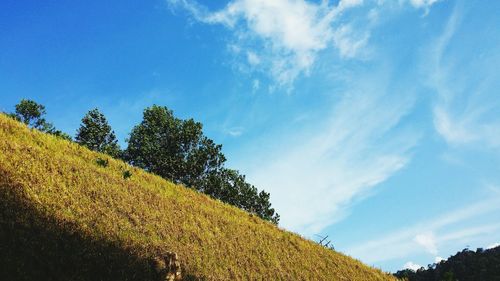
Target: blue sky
x=374, y=122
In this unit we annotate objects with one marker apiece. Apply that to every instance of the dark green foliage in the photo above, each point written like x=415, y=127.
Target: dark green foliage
x=177, y=150
x=102, y=162
x=172, y=148
x=96, y=134
x=61, y=134
x=127, y=174
x=32, y=114
x=467, y=265
x=230, y=186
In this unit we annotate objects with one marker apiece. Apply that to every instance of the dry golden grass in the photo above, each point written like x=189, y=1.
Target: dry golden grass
x=145, y=215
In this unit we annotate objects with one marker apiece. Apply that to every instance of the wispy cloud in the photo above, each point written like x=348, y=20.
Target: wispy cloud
x=428, y=241
x=289, y=33
x=316, y=179
x=283, y=38
x=429, y=235
x=235, y=131
x=361, y=144
x=466, y=89
x=422, y=3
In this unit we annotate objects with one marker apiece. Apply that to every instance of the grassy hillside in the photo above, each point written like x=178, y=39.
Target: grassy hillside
x=63, y=216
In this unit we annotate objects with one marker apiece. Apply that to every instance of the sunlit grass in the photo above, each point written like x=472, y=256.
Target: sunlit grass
x=146, y=215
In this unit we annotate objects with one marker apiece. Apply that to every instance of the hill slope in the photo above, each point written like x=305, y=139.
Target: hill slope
x=64, y=216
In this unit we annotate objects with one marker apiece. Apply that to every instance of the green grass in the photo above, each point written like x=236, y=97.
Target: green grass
x=63, y=216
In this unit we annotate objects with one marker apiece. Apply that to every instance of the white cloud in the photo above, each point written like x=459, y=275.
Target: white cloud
x=494, y=245
x=453, y=129
x=443, y=229
x=235, y=131
x=284, y=37
x=350, y=3
x=422, y=3
x=289, y=33
x=347, y=43
x=411, y=265
x=253, y=58
x=466, y=127
x=360, y=144
x=318, y=176
x=428, y=241
x=438, y=259
x=466, y=87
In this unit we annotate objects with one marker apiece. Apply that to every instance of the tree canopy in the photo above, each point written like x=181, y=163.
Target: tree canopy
x=173, y=148
x=96, y=134
x=178, y=150
x=466, y=265
x=32, y=114
x=231, y=187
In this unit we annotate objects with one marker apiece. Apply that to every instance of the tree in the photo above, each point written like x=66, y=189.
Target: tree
x=32, y=114
x=177, y=150
x=231, y=187
x=172, y=148
x=96, y=134
x=466, y=265
x=60, y=134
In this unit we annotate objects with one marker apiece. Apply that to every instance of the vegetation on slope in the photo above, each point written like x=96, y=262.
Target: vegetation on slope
x=467, y=265
x=32, y=114
x=172, y=148
x=66, y=216
x=178, y=151
x=96, y=134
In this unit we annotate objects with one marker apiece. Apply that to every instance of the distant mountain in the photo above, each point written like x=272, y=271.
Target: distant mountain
x=467, y=265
